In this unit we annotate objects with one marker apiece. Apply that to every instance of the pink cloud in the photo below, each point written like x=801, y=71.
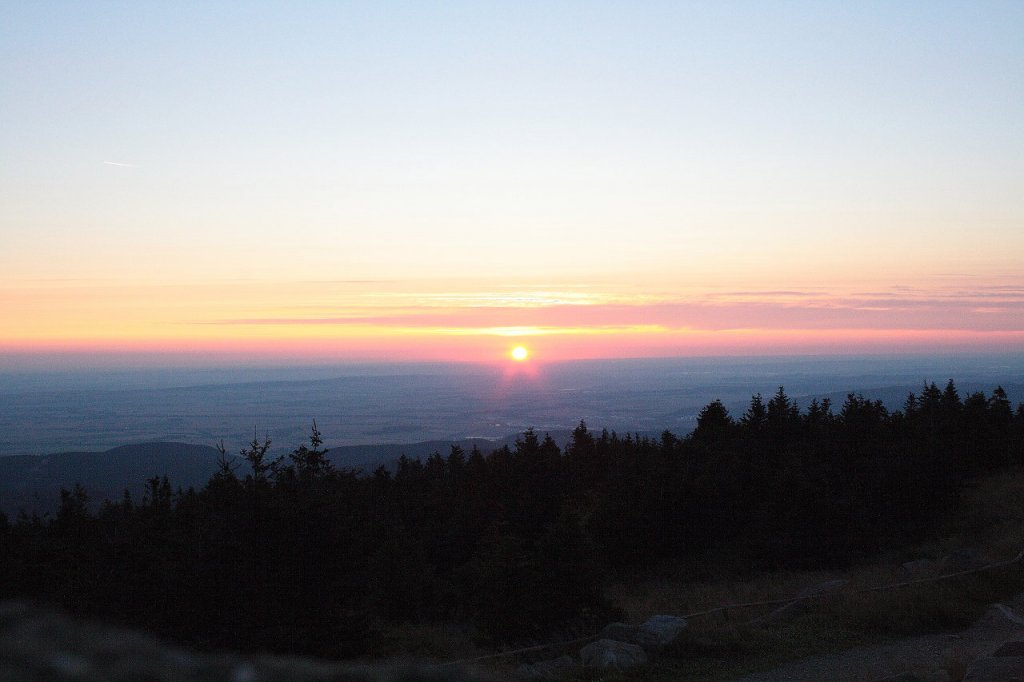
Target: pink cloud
x=778, y=310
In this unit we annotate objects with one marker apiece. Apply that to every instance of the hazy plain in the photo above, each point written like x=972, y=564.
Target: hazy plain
x=52, y=411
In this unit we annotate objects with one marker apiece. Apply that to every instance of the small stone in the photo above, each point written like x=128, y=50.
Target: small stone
x=610, y=653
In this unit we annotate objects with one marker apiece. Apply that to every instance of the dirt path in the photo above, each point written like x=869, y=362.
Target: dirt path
x=922, y=656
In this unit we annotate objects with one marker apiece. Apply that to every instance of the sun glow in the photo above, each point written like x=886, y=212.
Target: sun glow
x=520, y=353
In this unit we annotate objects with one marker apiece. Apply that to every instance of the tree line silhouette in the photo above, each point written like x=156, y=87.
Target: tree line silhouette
x=291, y=554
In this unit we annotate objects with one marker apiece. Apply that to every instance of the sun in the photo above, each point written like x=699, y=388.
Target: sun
x=519, y=353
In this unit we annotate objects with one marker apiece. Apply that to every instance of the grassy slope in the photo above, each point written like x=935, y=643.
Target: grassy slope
x=990, y=520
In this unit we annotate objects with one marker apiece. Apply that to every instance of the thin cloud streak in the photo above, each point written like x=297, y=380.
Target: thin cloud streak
x=939, y=313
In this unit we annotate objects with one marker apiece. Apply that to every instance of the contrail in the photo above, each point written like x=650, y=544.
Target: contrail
x=123, y=165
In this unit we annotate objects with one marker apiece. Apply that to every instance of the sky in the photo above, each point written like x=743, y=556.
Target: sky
x=445, y=181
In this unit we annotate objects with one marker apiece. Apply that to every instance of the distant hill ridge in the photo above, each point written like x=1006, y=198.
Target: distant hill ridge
x=32, y=482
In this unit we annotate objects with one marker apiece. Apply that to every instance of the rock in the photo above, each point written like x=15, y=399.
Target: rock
x=800, y=603
x=546, y=670
x=657, y=632
x=652, y=635
x=996, y=669
x=610, y=653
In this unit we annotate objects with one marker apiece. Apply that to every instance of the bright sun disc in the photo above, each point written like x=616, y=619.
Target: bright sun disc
x=520, y=353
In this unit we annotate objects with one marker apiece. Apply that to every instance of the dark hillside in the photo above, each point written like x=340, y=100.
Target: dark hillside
x=33, y=482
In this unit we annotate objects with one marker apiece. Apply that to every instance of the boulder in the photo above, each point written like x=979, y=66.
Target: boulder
x=546, y=670
x=657, y=632
x=610, y=653
x=653, y=635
